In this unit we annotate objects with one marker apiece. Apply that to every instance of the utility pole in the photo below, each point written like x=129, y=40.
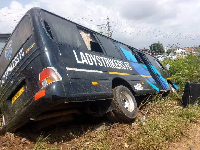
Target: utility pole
x=107, y=28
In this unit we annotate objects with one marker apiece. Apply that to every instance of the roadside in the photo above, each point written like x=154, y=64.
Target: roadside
x=191, y=141
x=161, y=124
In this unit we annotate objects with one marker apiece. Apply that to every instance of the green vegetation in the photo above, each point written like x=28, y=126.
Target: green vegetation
x=166, y=122
x=156, y=48
x=185, y=69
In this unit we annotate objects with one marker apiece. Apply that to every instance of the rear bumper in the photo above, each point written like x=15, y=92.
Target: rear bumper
x=54, y=95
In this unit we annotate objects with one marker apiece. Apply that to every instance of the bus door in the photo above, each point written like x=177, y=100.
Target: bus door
x=163, y=85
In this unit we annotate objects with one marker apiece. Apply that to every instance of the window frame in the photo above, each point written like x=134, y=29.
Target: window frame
x=94, y=34
x=55, y=37
x=16, y=28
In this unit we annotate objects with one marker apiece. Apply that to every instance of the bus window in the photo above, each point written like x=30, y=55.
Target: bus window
x=20, y=35
x=108, y=45
x=155, y=63
x=65, y=31
x=90, y=41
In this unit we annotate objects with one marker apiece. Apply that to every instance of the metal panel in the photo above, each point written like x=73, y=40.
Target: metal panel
x=191, y=93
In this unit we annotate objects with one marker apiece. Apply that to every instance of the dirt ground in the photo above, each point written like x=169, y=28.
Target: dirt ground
x=70, y=136
x=191, y=142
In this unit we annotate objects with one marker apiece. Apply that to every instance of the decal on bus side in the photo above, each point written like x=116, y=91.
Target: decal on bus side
x=15, y=60
x=12, y=65
x=90, y=59
x=8, y=50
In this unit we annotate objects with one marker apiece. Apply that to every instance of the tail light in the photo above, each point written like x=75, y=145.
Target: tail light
x=48, y=76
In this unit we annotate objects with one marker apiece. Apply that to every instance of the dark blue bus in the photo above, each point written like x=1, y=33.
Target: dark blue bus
x=52, y=68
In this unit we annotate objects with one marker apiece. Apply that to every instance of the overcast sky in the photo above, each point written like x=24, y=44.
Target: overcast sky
x=138, y=23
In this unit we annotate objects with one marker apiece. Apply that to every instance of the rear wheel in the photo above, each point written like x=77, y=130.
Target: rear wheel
x=125, y=105
x=3, y=121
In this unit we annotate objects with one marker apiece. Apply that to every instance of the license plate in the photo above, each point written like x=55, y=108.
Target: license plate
x=17, y=95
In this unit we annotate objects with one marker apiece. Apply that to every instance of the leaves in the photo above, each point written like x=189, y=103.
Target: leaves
x=157, y=48
x=185, y=69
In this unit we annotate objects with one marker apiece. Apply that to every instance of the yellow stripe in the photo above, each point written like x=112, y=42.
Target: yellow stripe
x=119, y=73
x=168, y=78
x=145, y=76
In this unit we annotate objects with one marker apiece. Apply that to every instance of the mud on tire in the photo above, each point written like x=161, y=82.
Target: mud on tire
x=125, y=105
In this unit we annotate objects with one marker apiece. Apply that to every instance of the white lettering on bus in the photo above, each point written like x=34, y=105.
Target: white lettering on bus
x=13, y=64
x=90, y=59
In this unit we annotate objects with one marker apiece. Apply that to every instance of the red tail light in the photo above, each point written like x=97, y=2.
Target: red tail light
x=48, y=76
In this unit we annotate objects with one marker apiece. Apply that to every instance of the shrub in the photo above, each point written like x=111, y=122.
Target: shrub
x=183, y=70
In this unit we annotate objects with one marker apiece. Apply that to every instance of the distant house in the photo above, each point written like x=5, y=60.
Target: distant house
x=188, y=50
x=145, y=50
x=3, y=40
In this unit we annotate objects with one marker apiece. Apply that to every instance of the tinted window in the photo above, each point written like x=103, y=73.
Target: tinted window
x=108, y=45
x=20, y=35
x=65, y=31
x=154, y=62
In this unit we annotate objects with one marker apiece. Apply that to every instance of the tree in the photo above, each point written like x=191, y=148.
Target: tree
x=156, y=48
x=169, y=51
x=198, y=49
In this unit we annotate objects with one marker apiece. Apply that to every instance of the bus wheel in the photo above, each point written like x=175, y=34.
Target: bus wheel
x=125, y=105
x=3, y=121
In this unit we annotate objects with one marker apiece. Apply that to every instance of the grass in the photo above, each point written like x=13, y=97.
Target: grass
x=166, y=121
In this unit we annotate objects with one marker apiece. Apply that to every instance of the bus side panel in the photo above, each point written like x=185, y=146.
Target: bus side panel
x=79, y=77
x=20, y=85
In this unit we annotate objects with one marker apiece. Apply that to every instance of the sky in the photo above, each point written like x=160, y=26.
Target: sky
x=138, y=23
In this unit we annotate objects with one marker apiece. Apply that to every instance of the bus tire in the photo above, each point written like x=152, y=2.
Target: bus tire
x=125, y=105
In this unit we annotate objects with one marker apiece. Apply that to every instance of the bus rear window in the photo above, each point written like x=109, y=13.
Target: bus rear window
x=20, y=35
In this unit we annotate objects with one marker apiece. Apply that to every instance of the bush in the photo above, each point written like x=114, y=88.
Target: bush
x=183, y=70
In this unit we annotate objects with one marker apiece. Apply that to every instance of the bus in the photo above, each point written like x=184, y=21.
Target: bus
x=53, y=69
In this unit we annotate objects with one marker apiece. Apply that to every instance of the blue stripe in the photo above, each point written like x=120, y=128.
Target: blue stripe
x=128, y=55
x=155, y=87
x=161, y=79
x=175, y=86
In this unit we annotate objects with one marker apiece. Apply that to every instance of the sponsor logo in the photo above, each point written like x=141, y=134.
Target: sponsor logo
x=138, y=86
x=12, y=65
x=8, y=50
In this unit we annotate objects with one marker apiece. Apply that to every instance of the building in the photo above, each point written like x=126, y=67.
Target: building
x=189, y=50
x=3, y=40
x=144, y=50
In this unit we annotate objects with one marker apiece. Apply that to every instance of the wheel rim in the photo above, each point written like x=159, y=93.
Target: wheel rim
x=3, y=121
x=127, y=101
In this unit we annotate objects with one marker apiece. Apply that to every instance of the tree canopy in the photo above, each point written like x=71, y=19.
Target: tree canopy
x=156, y=48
